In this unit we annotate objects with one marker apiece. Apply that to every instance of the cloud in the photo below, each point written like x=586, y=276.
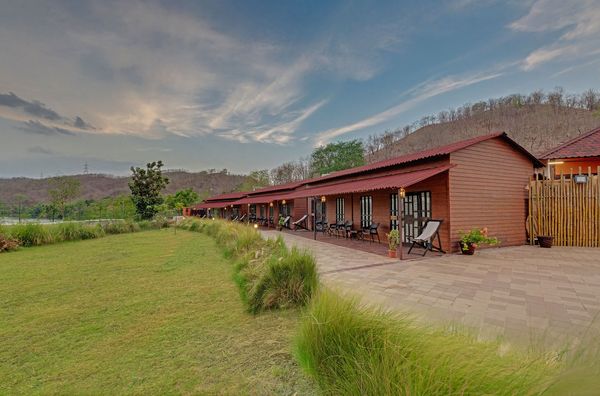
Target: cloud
x=579, y=22
x=146, y=69
x=43, y=114
x=418, y=94
x=34, y=108
x=40, y=150
x=36, y=127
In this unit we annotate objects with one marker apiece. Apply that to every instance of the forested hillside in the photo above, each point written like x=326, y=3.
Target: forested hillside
x=94, y=187
x=537, y=121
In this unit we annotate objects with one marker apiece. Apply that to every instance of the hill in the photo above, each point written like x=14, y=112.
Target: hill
x=537, y=127
x=94, y=186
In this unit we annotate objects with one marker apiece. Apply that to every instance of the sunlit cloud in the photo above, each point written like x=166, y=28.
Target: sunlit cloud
x=416, y=95
x=579, y=21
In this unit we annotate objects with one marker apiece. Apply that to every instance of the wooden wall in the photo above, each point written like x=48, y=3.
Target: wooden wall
x=488, y=189
x=573, y=166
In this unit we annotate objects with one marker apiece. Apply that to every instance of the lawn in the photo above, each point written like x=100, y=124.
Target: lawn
x=151, y=312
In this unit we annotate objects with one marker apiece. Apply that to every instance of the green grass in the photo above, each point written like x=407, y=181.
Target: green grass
x=351, y=349
x=269, y=275
x=146, y=313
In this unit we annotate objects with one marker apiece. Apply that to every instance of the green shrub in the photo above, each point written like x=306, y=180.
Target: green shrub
x=350, y=349
x=30, y=234
x=268, y=274
x=75, y=231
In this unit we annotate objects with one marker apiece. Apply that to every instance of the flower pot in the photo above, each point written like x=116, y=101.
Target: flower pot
x=545, y=241
x=392, y=253
x=467, y=248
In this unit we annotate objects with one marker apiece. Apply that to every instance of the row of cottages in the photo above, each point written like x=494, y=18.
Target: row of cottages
x=472, y=183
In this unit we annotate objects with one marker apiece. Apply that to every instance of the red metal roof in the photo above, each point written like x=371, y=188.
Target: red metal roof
x=266, y=198
x=426, y=154
x=225, y=197
x=585, y=145
x=279, y=187
x=213, y=205
x=397, y=180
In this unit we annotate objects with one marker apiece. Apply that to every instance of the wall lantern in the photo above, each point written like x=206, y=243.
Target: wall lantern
x=580, y=179
x=323, y=199
x=270, y=204
x=283, y=202
x=402, y=193
x=232, y=206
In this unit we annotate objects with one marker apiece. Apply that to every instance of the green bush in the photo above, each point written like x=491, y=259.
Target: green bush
x=269, y=275
x=350, y=349
x=75, y=231
x=30, y=234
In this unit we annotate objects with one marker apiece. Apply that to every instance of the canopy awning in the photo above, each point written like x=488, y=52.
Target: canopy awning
x=212, y=205
x=398, y=180
x=263, y=199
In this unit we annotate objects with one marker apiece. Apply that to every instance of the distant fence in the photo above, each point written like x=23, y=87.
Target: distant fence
x=568, y=209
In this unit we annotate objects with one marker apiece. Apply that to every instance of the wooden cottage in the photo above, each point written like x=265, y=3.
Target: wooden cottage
x=578, y=155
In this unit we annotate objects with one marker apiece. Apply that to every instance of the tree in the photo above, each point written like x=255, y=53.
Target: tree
x=182, y=199
x=64, y=189
x=146, y=186
x=256, y=179
x=337, y=156
x=19, y=204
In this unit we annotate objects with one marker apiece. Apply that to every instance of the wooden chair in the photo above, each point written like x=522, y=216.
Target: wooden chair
x=426, y=238
x=301, y=223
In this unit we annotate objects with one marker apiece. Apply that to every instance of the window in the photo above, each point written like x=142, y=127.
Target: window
x=366, y=211
x=262, y=211
x=394, y=212
x=253, y=210
x=339, y=209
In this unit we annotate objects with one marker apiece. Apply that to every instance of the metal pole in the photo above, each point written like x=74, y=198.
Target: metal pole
x=314, y=210
x=401, y=223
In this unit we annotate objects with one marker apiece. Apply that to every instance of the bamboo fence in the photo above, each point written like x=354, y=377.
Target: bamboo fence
x=565, y=210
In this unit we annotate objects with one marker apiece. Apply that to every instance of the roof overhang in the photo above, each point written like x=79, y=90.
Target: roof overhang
x=397, y=180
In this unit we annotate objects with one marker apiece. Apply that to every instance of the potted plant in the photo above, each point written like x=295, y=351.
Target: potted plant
x=469, y=241
x=545, y=241
x=280, y=223
x=393, y=243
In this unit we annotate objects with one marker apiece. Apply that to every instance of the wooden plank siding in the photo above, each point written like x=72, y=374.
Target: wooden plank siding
x=488, y=189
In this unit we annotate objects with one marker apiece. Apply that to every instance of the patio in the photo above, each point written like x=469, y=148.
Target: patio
x=525, y=294
x=366, y=245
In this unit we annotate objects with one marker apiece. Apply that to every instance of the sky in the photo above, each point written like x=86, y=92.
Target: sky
x=247, y=85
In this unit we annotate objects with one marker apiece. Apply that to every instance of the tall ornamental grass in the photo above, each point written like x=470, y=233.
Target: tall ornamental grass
x=33, y=234
x=268, y=274
x=351, y=349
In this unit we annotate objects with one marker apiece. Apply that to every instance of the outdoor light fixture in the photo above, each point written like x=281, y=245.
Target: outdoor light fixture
x=555, y=162
x=283, y=202
x=270, y=204
x=402, y=193
x=255, y=225
x=580, y=179
x=323, y=198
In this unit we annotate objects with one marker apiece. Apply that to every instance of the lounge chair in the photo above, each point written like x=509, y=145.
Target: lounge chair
x=322, y=226
x=371, y=231
x=301, y=223
x=430, y=231
x=241, y=219
x=347, y=229
x=286, y=221
x=339, y=228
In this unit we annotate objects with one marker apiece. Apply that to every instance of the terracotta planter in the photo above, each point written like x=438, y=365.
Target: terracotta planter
x=470, y=248
x=393, y=253
x=545, y=241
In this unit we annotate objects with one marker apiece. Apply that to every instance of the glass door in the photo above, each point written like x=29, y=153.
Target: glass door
x=417, y=210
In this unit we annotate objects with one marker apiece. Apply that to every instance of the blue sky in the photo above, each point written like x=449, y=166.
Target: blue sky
x=250, y=84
